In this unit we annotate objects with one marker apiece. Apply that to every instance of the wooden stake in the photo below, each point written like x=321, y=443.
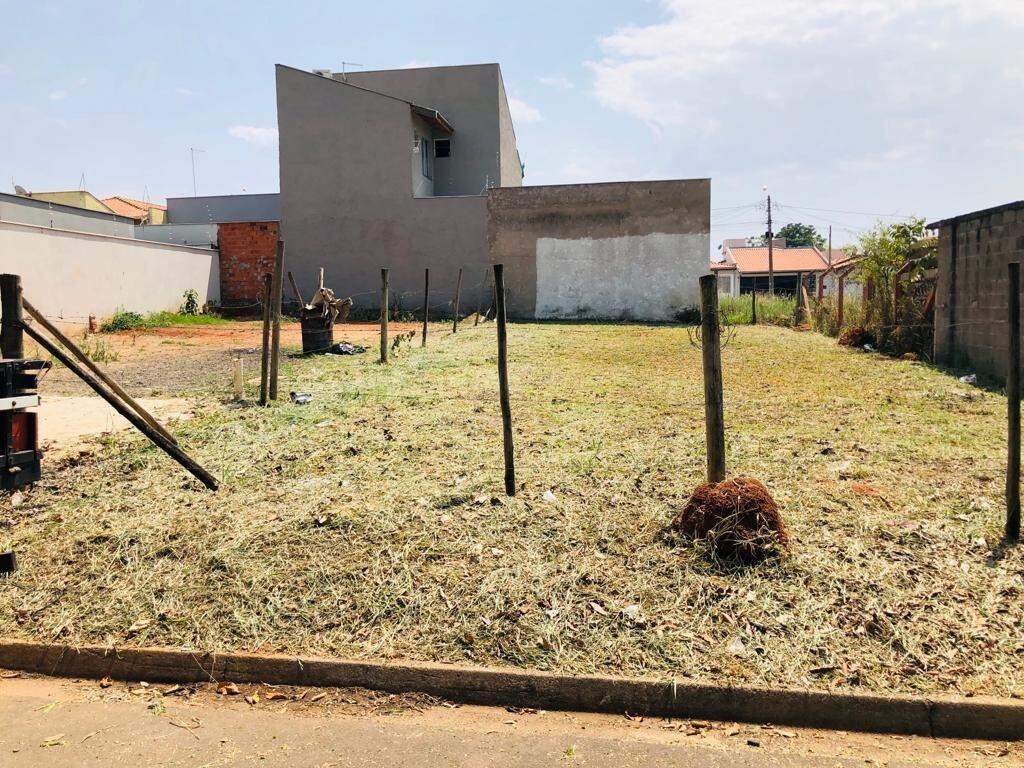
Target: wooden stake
x=12, y=341
x=96, y=370
x=265, y=356
x=426, y=304
x=753, y=307
x=165, y=445
x=714, y=417
x=275, y=307
x=506, y=407
x=295, y=290
x=840, y=295
x=458, y=290
x=383, y=316
x=1013, y=406
x=239, y=379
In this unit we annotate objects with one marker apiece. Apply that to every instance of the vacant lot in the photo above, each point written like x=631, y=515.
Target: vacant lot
x=371, y=522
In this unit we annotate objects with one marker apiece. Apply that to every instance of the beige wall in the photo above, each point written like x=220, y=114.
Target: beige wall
x=71, y=275
x=629, y=250
x=75, y=198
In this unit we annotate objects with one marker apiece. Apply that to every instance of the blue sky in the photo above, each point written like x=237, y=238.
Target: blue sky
x=842, y=108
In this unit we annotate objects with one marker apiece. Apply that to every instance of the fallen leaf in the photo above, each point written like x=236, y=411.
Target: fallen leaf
x=736, y=647
x=54, y=741
x=106, y=682
x=228, y=689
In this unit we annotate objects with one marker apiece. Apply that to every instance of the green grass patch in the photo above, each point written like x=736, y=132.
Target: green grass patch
x=124, y=320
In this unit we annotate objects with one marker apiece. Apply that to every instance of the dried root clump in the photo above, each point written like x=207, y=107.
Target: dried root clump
x=737, y=517
x=855, y=336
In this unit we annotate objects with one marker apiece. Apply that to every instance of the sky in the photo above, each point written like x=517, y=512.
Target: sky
x=848, y=112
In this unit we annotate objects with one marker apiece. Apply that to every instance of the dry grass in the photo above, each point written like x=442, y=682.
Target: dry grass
x=370, y=523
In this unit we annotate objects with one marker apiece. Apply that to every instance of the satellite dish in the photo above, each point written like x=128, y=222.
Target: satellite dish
x=20, y=190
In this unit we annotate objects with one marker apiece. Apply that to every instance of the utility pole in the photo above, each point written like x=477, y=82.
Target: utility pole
x=771, y=249
x=830, y=245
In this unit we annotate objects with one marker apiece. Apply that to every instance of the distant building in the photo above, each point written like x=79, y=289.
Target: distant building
x=140, y=211
x=743, y=267
x=76, y=198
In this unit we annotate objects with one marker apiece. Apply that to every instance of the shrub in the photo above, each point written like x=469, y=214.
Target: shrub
x=123, y=320
x=191, y=304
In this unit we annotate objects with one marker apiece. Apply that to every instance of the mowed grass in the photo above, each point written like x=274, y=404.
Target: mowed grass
x=371, y=523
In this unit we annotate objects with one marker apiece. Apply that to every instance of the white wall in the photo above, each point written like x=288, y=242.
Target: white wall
x=71, y=275
x=641, y=277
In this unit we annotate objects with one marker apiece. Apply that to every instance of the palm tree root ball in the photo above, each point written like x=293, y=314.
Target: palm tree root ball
x=737, y=517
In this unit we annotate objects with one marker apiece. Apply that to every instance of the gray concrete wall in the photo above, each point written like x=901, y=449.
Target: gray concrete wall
x=71, y=275
x=195, y=235
x=629, y=250
x=26, y=210
x=468, y=96
x=347, y=203
x=971, y=325
x=216, y=209
x=510, y=167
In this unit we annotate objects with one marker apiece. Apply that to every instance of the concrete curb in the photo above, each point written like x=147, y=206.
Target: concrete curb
x=977, y=718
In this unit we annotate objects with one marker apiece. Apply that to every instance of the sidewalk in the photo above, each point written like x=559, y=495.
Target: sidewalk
x=48, y=722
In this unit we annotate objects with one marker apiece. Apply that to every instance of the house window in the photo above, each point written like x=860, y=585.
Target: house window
x=426, y=157
x=443, y=148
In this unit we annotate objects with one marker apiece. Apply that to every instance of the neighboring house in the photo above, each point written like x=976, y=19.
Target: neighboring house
x=743, y=268
x=38, y=212
x=219, y=209
x=75, y=198
x=418, y=169
x=139, y=210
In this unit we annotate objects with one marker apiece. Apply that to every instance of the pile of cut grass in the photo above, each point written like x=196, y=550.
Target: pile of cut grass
x=371, y=522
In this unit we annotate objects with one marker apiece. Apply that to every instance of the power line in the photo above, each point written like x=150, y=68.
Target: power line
x=836, y=210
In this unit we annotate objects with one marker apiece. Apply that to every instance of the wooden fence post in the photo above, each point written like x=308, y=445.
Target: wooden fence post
x=714, y=417
x=426, y=305
x=12, y=340
x=276, y=287
x=799, y=312
x=384, y=316
x=840, y=296
x=1013, y=406
x=753, y=307
x=506, y=408
x=265, y=357
x=458, y=290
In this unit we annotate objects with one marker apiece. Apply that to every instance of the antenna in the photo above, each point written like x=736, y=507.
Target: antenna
x=347, y=64
x=195, y=188
x=81, y=182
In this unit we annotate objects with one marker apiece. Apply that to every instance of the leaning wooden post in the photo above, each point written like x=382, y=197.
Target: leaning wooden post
x=506, y=408
x=383, y=316
x=276, y=287
x=714, y=418
x=1013, y=406
x=799, y=313
x=426, y=304
x=458, y=290
x=753, y=307
x=265, y=357
x=12, y=341
x=163, y=444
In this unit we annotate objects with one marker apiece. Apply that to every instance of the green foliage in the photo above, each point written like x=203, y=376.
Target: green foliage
x=825, y=314
x=191, y=304
x=802, y=236
x=777, y=310
x=100, y=352
x=124, y=320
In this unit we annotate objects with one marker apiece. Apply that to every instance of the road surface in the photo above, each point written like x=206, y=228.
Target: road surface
x=48, y=723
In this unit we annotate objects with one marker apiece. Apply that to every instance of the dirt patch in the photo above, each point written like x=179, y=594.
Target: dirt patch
x=738, y=517
x=66, y=422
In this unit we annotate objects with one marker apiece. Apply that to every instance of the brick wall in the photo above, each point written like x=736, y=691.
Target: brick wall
x=246, y=254
x=971, y=290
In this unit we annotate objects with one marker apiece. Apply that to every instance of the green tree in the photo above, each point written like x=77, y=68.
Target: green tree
x=801, y=236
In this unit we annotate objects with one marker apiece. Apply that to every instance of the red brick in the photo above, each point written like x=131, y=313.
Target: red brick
x=246, y=254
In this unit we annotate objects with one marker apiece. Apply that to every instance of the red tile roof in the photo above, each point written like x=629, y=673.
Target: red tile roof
x=755, y=260
x=127, y=206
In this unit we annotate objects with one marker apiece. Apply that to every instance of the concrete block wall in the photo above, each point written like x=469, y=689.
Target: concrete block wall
x=971, y=324
x=247, y=251
x=619, y=250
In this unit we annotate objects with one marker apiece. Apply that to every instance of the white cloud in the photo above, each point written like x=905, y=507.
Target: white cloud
x=671, y=73
x=83, y=81
x=58, y=95
x=523, y=112
x=260, y=137
x=416, y=64
x=184, y=91
x=559, y=82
